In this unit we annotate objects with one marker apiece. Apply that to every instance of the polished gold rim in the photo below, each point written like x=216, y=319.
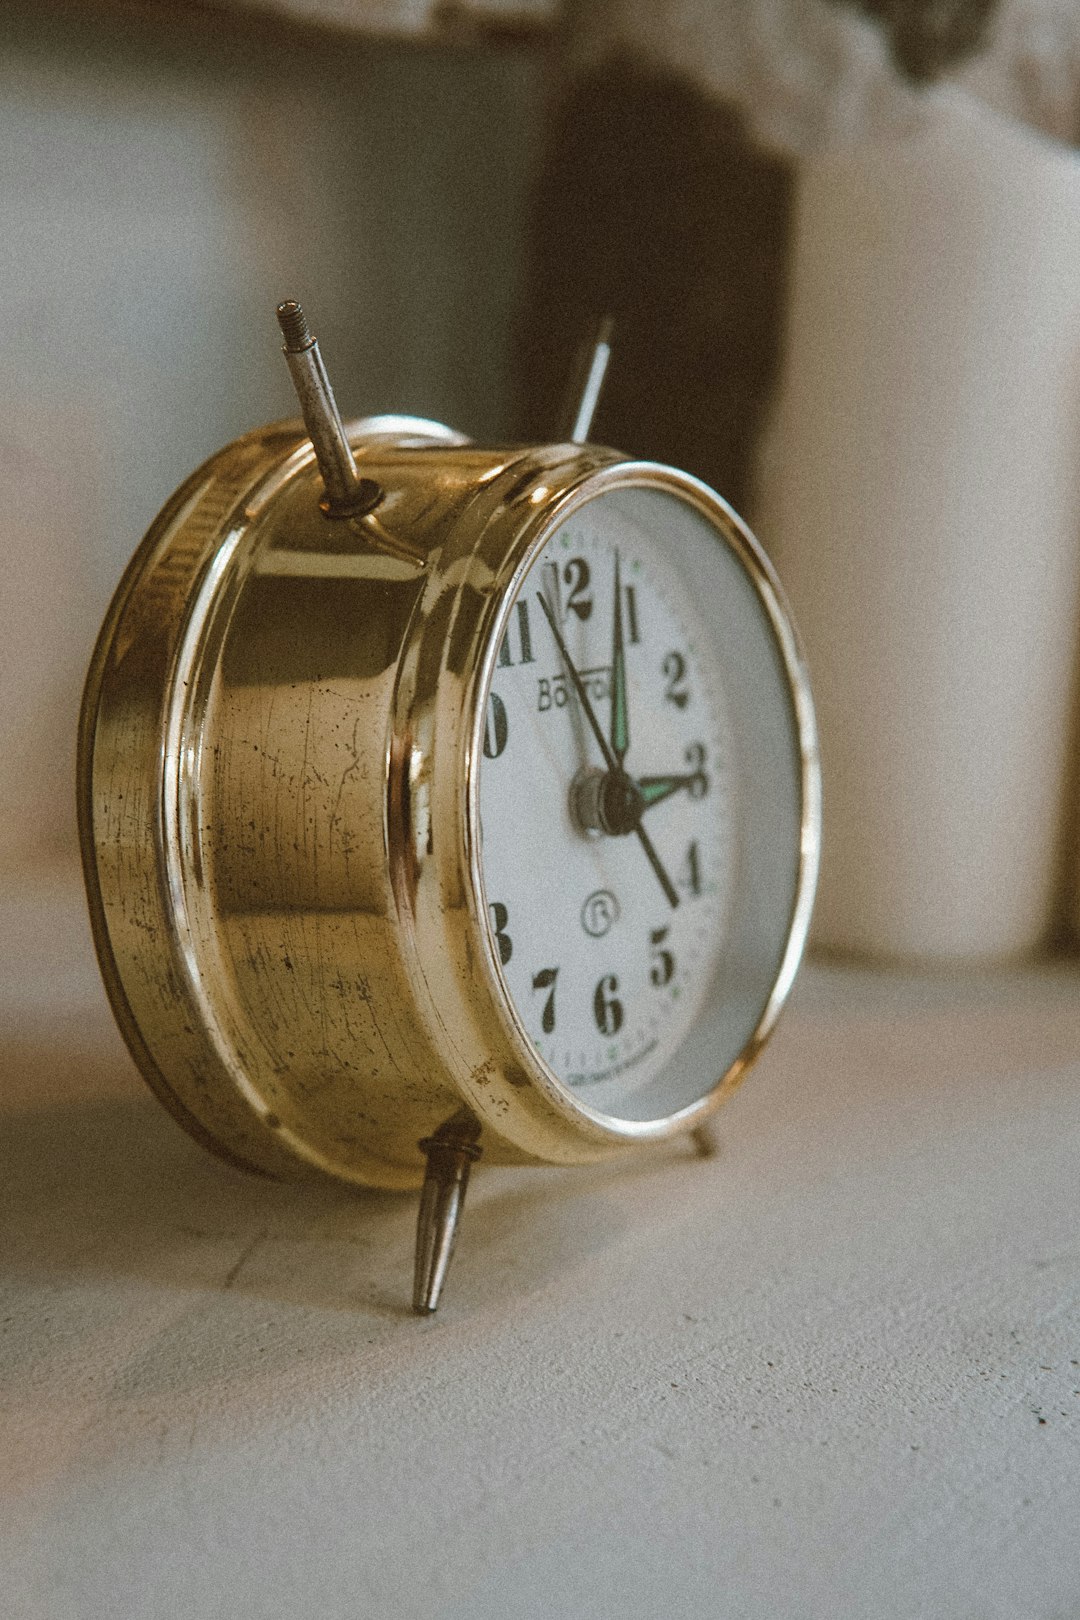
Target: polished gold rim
x=513, y=1090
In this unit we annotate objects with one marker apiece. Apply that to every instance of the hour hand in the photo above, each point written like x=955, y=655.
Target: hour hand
x=654, y=789
x=620, y=719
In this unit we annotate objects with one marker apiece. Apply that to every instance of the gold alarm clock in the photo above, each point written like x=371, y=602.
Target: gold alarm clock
x=440, y=799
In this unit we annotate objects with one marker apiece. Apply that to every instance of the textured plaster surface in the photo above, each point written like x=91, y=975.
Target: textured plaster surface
x=833, y=1371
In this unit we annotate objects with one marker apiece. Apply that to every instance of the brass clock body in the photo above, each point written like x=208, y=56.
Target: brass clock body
x=280, y=746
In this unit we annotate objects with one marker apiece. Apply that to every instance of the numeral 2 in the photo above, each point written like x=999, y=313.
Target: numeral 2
x=576, y=575
x=674, y=667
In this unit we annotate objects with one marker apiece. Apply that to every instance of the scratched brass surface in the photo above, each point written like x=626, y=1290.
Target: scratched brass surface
x=277, y=784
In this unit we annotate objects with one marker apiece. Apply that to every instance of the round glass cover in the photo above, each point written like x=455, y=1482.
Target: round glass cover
x=640, y=797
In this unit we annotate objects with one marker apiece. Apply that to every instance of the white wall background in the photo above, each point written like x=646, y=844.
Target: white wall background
x=162, y=185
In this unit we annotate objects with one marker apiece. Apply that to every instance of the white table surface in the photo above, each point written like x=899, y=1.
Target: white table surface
x=834, y=1371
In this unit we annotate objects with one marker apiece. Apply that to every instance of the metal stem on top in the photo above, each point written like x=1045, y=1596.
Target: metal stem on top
x=347, y=493
x=587, y=382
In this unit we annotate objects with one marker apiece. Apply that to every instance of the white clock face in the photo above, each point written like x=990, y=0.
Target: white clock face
x=606, y=791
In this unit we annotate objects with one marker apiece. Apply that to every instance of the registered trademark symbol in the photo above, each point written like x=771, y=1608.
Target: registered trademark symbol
x=599, y=913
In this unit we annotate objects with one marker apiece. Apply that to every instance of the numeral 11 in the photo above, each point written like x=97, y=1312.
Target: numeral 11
x=525, y=652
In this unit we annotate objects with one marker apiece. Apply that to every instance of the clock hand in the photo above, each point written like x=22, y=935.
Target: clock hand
x=609, y=758
x=620, y=719
x=654, y=861
x=654, y=789
x=576, y=718
x=579, y=687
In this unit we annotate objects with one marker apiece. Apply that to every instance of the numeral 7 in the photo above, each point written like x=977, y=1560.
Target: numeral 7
x=545, y=980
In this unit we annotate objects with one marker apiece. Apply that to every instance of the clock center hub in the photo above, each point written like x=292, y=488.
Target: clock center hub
x=606, y=802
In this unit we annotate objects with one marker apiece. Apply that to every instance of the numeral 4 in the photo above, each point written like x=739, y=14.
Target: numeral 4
x=689, y=876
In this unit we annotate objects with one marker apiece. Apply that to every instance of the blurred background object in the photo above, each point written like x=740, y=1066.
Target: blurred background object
x=167, y=177
x=653, y=206
x=676, y=140
x=457, y=191
x=921, y=492
x=832, y=1372
x=839, y=241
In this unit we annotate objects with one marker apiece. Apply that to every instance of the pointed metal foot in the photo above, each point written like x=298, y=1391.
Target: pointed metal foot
x=451, y=1153
x=705, y=1143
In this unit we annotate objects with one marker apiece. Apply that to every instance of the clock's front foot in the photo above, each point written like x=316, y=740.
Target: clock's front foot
x=451, y=1152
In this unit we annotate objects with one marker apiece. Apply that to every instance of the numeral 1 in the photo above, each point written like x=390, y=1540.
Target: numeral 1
x=632, y=635
x=699, y=782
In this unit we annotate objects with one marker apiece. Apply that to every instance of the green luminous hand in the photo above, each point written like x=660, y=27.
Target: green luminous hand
x=654, y=789
x=620, y=720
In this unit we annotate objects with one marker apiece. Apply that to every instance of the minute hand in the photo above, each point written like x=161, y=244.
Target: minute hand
x=620, y=719
x=579, y=686
x=605, y=748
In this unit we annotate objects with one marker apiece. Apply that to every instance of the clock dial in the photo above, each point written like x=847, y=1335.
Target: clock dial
x=609, y=833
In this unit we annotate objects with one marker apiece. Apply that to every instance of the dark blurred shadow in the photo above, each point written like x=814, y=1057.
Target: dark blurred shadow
x=654, y=205
x=108, y=1191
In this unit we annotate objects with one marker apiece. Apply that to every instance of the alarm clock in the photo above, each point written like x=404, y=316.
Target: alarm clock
x=441, y=800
